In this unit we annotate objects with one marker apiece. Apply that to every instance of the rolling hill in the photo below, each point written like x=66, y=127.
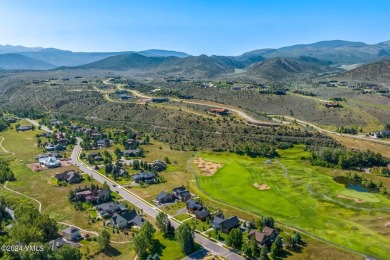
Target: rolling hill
x=338, y=52
x=11, y=61
x=288, y=68
x=163, y=53
x=127, y=62
x=377, y=71
x=192, y=66
x=200, y=66
x=60, y=58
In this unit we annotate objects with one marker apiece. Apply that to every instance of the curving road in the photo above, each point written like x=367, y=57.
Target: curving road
x=151, y=210
x=257, y=122
x=322, y=130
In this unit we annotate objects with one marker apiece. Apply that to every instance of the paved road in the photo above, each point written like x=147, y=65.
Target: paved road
x=319, y=129
x=148, y=208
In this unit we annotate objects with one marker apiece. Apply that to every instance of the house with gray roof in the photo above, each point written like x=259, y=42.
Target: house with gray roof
x=126, y=219
x=71, y=233
x=164, y=197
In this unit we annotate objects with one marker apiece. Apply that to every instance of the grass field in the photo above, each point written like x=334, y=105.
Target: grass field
x=289, y=201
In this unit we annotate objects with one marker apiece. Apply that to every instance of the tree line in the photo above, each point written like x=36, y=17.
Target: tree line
x=347, y=159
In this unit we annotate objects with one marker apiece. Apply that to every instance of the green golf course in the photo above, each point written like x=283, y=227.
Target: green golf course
x=302, y=196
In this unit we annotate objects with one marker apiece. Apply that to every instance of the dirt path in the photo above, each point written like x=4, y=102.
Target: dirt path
x=17, y=192
x=2, y=147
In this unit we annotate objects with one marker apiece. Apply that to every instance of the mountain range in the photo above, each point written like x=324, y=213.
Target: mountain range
x=283, y=63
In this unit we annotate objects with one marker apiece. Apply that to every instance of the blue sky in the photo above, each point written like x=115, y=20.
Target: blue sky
x=196, y=27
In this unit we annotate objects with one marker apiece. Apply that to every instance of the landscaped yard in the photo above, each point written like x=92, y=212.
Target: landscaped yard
x=289, y=200
x=172, y=209
x=182, y=217
x=199, y=225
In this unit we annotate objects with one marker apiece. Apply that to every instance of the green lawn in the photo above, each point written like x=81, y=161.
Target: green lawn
x=167, y=248
x=222, y=236
x=289, y=201
x=182, y=217
x=172, y=209
x=199, y=225
x=360, y=195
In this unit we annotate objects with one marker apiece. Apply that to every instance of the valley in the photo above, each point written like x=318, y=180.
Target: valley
x=292, y=138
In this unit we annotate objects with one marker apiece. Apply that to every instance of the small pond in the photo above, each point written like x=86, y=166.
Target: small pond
x=354, y=185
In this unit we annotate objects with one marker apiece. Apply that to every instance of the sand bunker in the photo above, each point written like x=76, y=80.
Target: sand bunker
x=387, y=224
x=262, y=186
x=207, y=168
x=350, y=198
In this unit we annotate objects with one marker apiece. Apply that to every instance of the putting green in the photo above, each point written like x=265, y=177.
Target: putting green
x=369, y=197
x=289, y=200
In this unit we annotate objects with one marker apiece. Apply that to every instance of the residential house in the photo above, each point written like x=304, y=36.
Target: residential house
x=160, y=100
x=146, y=177
x=225, y=225
x=267, y=236
x=159, y=166
x=381, y=134
x=63, y=141
x=69, y=177
x=219, y=111
x=57, y=147
x=51, y=154
x=103, y=143
x=92, y=196
x=260, y=237
x=94, y=134
x=202, y=214
x=122, y=172
x=24, y=128
x=181, y=193
x=50, y=162
x=55, y=122
x=126, y=219
x=124, y=96
x=193, y=205
x=164, y=197
x=71, y=233
x=109, y=208
x=12, y=120
x=103, y=195
x=98, y=158
x=131, y=153
x=332, y=104
x=82, y=193
x=56, y=244
x=47, y=134
x=272, y=233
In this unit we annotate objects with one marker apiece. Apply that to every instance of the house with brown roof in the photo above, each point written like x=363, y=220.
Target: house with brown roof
x=219, y=111
x=266, y=237
x=69, y=177
x=260, y=237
